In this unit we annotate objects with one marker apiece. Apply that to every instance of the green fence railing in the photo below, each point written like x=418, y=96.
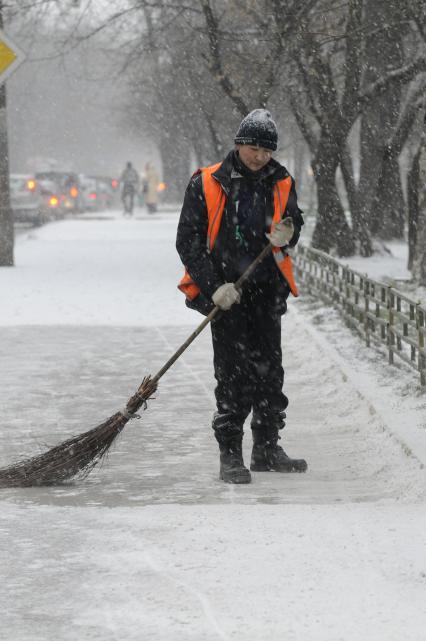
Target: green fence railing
x=378, y=312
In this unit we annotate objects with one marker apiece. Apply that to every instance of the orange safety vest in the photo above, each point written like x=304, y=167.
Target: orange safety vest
x=215, y=200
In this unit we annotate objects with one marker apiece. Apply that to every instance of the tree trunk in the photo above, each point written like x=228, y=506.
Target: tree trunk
x=388, y=205
x=299, y=160
x=419, y=266
x=413, y=185
x=360, y=226
x=175, y=158
x=384, y=51
x=6, y=218
x=331, y=230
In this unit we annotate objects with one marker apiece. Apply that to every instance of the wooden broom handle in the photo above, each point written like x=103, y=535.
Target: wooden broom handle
x=265, y=251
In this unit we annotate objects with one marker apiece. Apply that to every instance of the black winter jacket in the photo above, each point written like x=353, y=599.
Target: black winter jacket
x=247, y=217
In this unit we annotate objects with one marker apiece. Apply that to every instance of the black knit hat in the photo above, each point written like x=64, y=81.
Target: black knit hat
x=258, y=128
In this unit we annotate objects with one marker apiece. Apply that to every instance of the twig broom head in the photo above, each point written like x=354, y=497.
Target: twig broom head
x=77, y=456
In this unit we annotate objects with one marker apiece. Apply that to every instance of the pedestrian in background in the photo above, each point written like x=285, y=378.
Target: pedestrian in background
x=129, y=181
x=230, y=211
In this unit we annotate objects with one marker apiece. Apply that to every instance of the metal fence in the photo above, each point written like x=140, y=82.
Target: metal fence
x=378, y=312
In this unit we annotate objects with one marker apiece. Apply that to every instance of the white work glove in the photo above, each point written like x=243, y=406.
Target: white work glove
x=226, y=295
x=282, y=232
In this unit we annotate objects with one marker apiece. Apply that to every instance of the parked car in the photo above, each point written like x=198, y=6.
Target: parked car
x=106, y=192
x=88, y=193
x=97, y=192
x=69, y=186
x=33, y=201
x=51, y=198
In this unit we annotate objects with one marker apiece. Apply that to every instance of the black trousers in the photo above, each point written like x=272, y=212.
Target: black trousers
x=248, y=365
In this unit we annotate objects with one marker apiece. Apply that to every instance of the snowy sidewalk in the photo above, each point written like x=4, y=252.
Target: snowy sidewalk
x=73, y=378
x=152, y=545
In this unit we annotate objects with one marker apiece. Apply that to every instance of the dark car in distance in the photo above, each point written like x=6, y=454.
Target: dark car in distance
x=68, y=186
x=34, y=201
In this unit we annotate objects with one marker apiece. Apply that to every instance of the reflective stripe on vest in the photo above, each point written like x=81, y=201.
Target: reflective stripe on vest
x=215, y=198
x=282, y=259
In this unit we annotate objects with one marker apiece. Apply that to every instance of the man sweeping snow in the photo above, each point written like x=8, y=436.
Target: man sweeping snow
x=230, y=212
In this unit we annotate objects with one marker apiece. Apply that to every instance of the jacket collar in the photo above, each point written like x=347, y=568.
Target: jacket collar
x=223, y=174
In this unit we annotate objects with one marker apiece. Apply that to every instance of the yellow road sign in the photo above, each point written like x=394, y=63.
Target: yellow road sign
x=10, y=56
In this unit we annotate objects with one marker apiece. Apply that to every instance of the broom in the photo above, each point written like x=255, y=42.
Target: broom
x=77, y=456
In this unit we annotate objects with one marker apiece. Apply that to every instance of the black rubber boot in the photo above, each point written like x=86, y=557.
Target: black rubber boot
x=228, y=432
x=232, y=468
x=268, y=456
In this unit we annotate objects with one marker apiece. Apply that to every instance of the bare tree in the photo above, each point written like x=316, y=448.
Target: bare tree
x=172, y=98
x=386, y=25
x=314, y=57
x=389, y=207
x=391, y=40
x=419, y=261
x=417, y=175
x=329, y=94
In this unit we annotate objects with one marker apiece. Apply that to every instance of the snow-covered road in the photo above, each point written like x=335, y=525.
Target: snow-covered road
x=153, y=546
